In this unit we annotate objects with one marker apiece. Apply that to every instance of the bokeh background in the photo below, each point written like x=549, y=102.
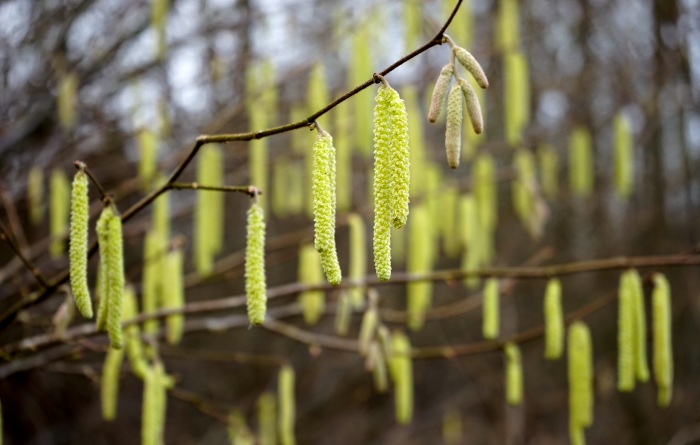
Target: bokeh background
x=206, y=66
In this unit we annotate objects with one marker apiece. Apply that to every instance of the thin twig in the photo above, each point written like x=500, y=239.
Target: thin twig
x=7, y=237
x=82, y=166
x=246, y=189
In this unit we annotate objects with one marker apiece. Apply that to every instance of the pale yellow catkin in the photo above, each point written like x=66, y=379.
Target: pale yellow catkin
x=471, y=233
x=267, y=419
x=174, y=295
x=400, y=159
x=59, y=211
x=580, y=373
x=358, y=258
x=343, y=138
x=323, y=190
x=453, y=128
x=514, y=374
x=507, y=26
x=78, y=254
x=255, y=281
x=67, y=100
x=361, y=68
x=581, y=170
x=467, y=60
x=440, y=92
x=625, y=336
x=663, y=347
x=401, y=370
x=641, y=363
x=153, y=257
x=473, y=106
x=419, y=293
x=516, y=96
x=383, y=184
x=287, y=406
x=553, y=320
x=208, y=211
x=132, y=335
x=35, y=195
x=312, y=302
x=449, y=202
x=486, y=191
x=623, y=156
x=416, y=140
x=491, y=309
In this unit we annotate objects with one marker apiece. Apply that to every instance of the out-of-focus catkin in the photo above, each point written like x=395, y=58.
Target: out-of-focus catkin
x=491, y=309
x=553, y=320
x=287, y=406
x=419, y=293
x=209, y=210
x=580, y=358
x=109, y=384
x=625, y=336
x=312, y=302
x=663, y=347
x=174, y=295
x=401, y=370
x=267, y=419
x=255, y=284
x=623, y=156
x=581, y=171
x=641, y=363
x=514, y=374
x=35, y=195
x=78, y=255
x=440, y=92
x=148, y=157
x=59, y=201
x=453, y=128
x=549, y=170
x=358, y=257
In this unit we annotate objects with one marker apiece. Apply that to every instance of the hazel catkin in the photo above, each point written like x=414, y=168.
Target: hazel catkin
x=467, y=60
x=514, y=374
x=553, y=320
x=383, y=184
x=491, y=309
x=440, y=91
x=663, y=347
x=453, y=129
x=109, y=235
x=580, y=373
x=78, y=254
x=287, y=408
x=255, y=284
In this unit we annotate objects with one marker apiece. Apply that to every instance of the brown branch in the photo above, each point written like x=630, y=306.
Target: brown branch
x=220, y=356
x=82, y=166
x=7, y=237
x=246, y=189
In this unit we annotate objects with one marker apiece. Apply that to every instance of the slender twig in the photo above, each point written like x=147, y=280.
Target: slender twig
x=246, y=189
x=82, y=166
x=7, y=237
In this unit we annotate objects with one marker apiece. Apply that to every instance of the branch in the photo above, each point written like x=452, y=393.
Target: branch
x=249, y=190
x=82, y=166
x=7, y=237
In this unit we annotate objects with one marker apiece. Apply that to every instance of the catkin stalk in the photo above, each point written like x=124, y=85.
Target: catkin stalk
x=663, y=347
x=453, y=128
x=491, y=310
x=553, y=321
x=285, y=388
x=255, y=284
x=79, y=218
x=514, y=374
x=310, y=272
x=401, y=370
x=383, y=184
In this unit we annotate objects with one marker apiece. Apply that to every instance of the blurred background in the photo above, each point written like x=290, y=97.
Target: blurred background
x=592, y=127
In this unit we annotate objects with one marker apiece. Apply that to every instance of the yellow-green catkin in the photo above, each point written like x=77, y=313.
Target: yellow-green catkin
x=209, y=210
x=59, y=212
x=400, y=158
x=412, y=15
x=378, y=366
x=486, y=191
x=383, y=184
x=514, y=374
x=79, y=218
x=641, y=364
x=238, y=432
x=553, y=320
x=449, y=201
x=419, y=293
x=101, y=297
x=581, y=172
x=580, y=357
x=368, y=329
x=401, y=370
x=35, y=195
x=549, y=170
x=343, y=313
x=148, y=157
x=525, y=192
x=323, y=191
x=623, y=157
x=471, y=233
x=174, y=295
x=153, y=406
x=132, y=335
x=507, y=26
x=159, y=14
x=280, y=187
x=312, y=302
x=67, y=100
x=360, y=70
x=516, y=95
x=453, y=128
x=295, y=194
x=416, y=140
x=491, y=310
x=109, y=236
x=452, y=433
x=262, y=113
x=663, y=347
x=625, y=336
x=317, y=95
x=255, y=284
x=110, y=383
x=442, y=85
x=152, y=278
x=358, y=258
x=344, y=161
x=287, y=406
x=267, y=419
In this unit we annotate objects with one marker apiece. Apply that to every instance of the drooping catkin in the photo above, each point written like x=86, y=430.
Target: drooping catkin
x=255, y=284
x=473, y=106
x=267, y=419
x=453, y=128
x=35, y=195
x=400, y=158
x=152, y=278
x=295, y=192
x=360, y=69
x=471, y=233
x=416, y=140
x=323, y=191
x=467, y=60
x=67, y=100
x=449, y=201
x=344, y=162
x=132, y=335
x=148, y=157
x=491, y=310
x=59, y=212
x=553, y=320
x=262, y=113
x=383, y=184
x=452, y=433
x=514, y=374
x=440, y=92
x=331, y=266
x=625, y=336
x=580, y=358
x=419, y=293
x=663, y=347
x=109, y=236
x=507, y=27
x=287, y=406
x=525, y=192
x=341, y=324
x=280, y=187
x=312, y=302
x=208, y=212
x=641, y=364
x=623, y=156
x=159, y=13
x=101, y=296
x=368, y=329
x=79, y=218
x=358, y=258
x=401, y=370
x=581, y=172
x=378, y=366
x=517, y=94
x=486, y=191
x=549, y=170
x=110, y=383
x=174, y=294
x=412, y=15
x=152, y=407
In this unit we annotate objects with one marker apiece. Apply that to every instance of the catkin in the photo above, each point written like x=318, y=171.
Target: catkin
x=59, y=212
x=581, y=173
x=471, y=236
x=379, y=372
x=491, y=310
x=625, y=336
x=663, y=347
x=323, y=190
x=238, y=432
x=109, y=235
x=267, y=419
x=152, y=278
x=486, y=191
x=514, y=374
x=174, y=295
x=400, y=158
x=331, y=266
x=148, y=157
x=440, y=91
x=151, y=430
x=419, y=293
x=67, y=100
x=285, y=388
x=35, y=195
x=553, y=321
x=255, y=285
x=580, y=357
x=361, y=67
x=132, y=334
x=383, y=184
x=549, y=170
x=517, y=94
x=110, y=383
x=473, y=106
x=453, y=128
x=310, y=273
x=101, y=296
x=344, y=162
x=449, y=197
x=623, y=157
x=341, y=324
x=358, y=258
x=79, y=218
x=641, y=365
x=416, y=140
x=401, y=370
x=507, y=28
x=368, y=329
x=209, y=211
x=467, y=60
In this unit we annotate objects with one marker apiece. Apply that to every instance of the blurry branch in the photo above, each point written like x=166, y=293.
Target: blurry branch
x=220, y=356
x=247, y=189
x=82, y=166
x=6, y=236
x=205, y=406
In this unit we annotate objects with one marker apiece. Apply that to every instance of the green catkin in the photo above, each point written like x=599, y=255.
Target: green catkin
x=663, y=347
x=383, y=184
x=255, y=285
x=209, y=210
x=295, y=192
x=524, y=192
x=453, y=129
x=401, y=370
x=174, y=295
x=109, y=236
x=59, y=212
x=553, y=321
x=416, y=140
x=358, y=258
x=35, y=195
x=360, y=69
x=580, y=357
x=507, y=27
x=473, y=106
x=267, y=419
x=331, y=267
x=419, y=293
x=238, y=433
x=412, y=15
x=379, y=372
x=79, y=218
x=148, y=157
x=280, y=187
x=323, y=191
x=491, y=310
x=400, y=159
x=344, y=162
x=312, y=302
x=341, y=323
x=623, y=157
x=153, y=253
x=317, y=95
x=434, y=183
x=368, y=329
x=132, y=334
x=486, y=191
x=67, y=100
x=641, y=364
x=452, y=433
x=514, y=374
x=101, y=296
x=625, y=336
x=471, y=234
x=467, y=60
x=287, y=406
x=440, y=92
x=517, y=95
x=110, y=383
x=581, y=174
x=159, y=13
x=549, y=170
x=449, y=200
x=151, y=430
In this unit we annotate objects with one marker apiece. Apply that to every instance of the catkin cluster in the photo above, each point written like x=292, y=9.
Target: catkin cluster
x=391, y=173
x=255, y=285
x=78, y=253
x=109, y=237
x=632, y=360
x=460, y=94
